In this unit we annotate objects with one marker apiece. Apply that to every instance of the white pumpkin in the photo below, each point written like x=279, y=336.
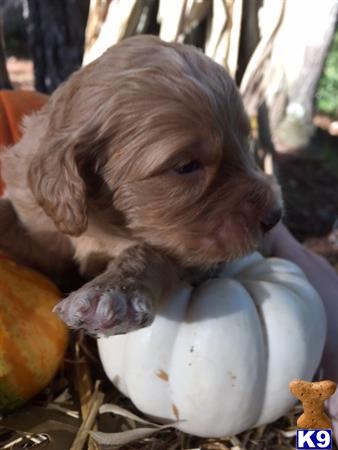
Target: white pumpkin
x=218, y=358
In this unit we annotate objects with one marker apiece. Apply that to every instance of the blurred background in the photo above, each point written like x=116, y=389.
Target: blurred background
x=283, y=55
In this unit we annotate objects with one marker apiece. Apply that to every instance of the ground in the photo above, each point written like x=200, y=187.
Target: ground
x=309, y=180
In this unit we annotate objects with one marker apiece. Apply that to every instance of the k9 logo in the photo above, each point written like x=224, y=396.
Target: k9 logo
x=315, y=439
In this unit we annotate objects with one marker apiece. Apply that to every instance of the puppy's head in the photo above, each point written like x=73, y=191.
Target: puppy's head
x=159, y=129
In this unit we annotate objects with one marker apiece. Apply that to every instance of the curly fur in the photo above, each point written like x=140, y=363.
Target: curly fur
x=96, y=168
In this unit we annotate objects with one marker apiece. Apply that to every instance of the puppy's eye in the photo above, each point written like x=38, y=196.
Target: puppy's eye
x=189, y=167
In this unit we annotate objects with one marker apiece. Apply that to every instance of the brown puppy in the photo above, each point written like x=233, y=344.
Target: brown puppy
x=138, y=167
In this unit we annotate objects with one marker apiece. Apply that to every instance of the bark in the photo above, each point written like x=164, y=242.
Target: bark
x=97, y=15
x=56, y=35
x=249, y=35
x=286, y=65
x=4, y=78
x=111, y=21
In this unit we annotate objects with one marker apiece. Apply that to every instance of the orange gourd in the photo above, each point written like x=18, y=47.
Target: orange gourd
x=13, y=106
x=32, y=338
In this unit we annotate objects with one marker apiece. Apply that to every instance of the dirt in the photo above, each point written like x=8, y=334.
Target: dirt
x=309, y=179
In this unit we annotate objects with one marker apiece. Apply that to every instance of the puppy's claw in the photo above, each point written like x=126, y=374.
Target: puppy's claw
x=106, y=311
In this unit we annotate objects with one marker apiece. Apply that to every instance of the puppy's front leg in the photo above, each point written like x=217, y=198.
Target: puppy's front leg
x=124, y=297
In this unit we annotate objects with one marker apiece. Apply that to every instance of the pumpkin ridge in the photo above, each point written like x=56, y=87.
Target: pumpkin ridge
x=27, y=275
x=275, y=267
x=277, y=279
x=262, y=322
x=40, y=319
x=23, y=376
x=9, y=398
x=42, y=323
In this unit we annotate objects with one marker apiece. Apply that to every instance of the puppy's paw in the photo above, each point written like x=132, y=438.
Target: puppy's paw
x=105, y=310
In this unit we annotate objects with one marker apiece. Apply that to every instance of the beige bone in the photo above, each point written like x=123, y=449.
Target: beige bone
x=312, y=396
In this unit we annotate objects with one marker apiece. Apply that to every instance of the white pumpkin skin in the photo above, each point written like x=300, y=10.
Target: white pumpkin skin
x=219, y=358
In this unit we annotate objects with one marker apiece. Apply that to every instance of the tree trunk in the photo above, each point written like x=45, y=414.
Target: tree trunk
x=56, y=35
x=112, y=20
x=98, y=10
x=4, y=78
x=286, y=65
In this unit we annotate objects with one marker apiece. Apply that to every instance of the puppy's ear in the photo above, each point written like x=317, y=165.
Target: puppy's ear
x=58, y=187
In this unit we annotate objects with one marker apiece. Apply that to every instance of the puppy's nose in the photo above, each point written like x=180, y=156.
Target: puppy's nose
x=270, y=219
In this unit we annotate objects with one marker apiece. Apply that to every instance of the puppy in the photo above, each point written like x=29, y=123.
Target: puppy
x=137, y=168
